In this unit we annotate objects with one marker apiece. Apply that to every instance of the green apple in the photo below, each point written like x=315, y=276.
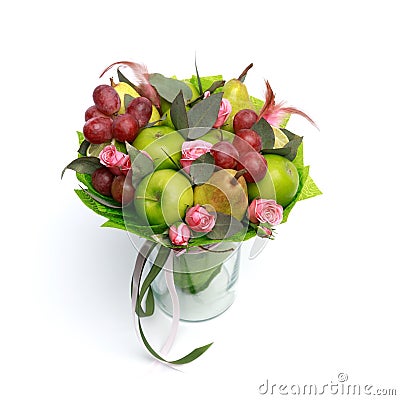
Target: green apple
x=161, y=142
x=193, y=88
x=264, y=188
x=165, y=105
x=162, y=197
x=280, y=183
x=216, y=135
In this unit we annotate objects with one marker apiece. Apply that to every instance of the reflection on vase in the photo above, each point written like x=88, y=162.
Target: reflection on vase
x=205, y=282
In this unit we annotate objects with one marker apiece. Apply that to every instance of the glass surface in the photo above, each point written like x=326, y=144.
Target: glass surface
x=205, y=282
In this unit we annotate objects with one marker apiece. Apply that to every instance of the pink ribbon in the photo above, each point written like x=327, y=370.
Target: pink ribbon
x=169, y=278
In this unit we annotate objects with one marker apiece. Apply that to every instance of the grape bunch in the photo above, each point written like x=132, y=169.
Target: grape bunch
x=103, y=123
x=244, y=151
x=119, y=187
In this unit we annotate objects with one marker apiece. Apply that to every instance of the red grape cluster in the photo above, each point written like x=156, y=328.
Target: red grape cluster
x=119, y=187
x=244, y=151
x=103, y=122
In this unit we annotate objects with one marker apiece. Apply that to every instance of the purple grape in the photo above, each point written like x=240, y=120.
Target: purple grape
x=106, y=99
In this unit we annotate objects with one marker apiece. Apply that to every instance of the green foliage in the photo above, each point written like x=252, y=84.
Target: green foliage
x=115, y=217
x=168, y=88
x=178, y=112
x=202, y=168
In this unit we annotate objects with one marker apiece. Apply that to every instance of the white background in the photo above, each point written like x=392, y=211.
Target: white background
x=321, y=299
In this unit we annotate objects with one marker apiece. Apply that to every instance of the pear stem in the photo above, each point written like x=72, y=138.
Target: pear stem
x=113, y=84
x=240, y=173
x=242, y=76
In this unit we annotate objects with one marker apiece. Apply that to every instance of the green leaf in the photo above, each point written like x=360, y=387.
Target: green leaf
x=193, y=355
x=194, y=282
x=169, y=88
x=202, y=168
x=127, y=100
x=108, y=203
x=289, y=135
x=290, y=149
x=123, y=78
x=307, y=189
x=81, y=137
x=200, y=86
x=119, y=219
x=178, y=112
x=310, y=189
x=205, y=112
x=206, y=81
x=141, y=165
x=264, y=129
x=293, y=145
x=283, y=151
x=113, y=224
x=184, y=360
x=83, y=147
x=155, y=269
x=258, y=104
x=195, y=133
x=84, y=165
x=114, y=215
x=299, y=159
x=225, y=226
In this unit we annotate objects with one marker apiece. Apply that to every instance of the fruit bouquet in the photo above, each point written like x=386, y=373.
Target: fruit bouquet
x=191, y=168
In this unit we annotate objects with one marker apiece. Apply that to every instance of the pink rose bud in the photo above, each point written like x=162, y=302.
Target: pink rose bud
x=179, y=234
x=264, y=232
x=265, y=211
x=199, y=219
x=224, y=111
x=118, y=162
x=192, y=151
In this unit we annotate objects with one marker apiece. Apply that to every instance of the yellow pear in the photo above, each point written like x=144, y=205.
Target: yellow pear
x=122, y=89
x=236, y=92
x=224, y=193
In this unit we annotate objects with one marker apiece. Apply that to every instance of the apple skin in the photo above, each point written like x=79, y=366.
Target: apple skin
x=214, y=136
x=155, y=139
x=162, y=197
x=281, y=181
x=195, y=92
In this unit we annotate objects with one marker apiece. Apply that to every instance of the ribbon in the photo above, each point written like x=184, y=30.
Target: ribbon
x=137, y=295
x=169, y=280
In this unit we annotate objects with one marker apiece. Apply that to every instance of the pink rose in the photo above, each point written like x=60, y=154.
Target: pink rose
x=118, y=163
x=179, y=234
x=199, y=219
x=224, y=111
x=265, y=211
x=193, y=150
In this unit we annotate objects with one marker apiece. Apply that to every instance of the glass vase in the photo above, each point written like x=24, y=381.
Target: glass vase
x=205, y=280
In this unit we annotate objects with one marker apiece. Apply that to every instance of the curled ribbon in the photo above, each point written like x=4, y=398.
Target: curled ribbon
x=164, y=260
